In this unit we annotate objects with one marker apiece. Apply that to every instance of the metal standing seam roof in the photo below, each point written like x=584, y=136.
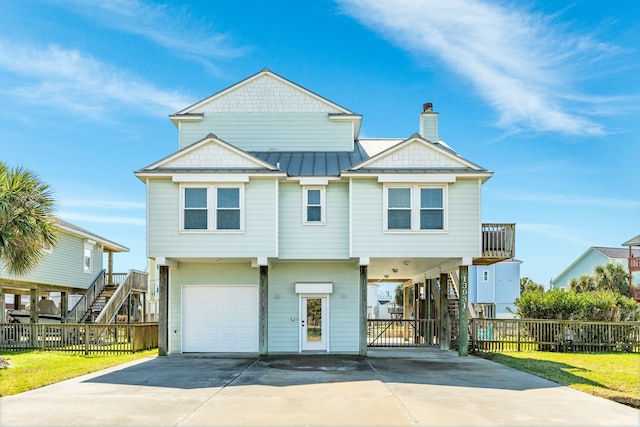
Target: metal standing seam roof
x=313, y=163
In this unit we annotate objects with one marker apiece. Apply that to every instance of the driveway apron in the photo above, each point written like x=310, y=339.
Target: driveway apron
x=387, y=388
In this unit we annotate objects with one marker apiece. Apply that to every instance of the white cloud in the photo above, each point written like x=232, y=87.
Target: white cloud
x=568, y=200
x=99, y=219
x=172, y=27
x=104, y=204
x=522, y=63
x=71, y=80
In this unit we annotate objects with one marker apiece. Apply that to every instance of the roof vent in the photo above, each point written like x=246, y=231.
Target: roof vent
x=427, y=107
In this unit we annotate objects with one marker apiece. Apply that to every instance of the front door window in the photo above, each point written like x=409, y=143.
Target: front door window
x=313, y=323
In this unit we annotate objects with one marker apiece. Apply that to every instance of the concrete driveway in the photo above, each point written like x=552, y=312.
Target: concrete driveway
x=388, y=388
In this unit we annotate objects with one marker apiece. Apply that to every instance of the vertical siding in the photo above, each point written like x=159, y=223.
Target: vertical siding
x=461, y=240
x=64, y=265
x=326, y=241
x=202, y=274
x=267, y=131
x=165, y=239
x=284, y=304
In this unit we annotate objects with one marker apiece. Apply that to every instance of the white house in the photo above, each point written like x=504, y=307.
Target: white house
x=273, y=215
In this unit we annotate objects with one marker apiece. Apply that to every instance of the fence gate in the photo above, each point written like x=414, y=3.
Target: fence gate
x=402, y=332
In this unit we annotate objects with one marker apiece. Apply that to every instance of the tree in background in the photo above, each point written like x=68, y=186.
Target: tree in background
x=610, y=277
x=528, y=285
x=27, y=223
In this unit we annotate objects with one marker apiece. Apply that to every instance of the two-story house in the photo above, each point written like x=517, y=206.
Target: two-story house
x=273, y=216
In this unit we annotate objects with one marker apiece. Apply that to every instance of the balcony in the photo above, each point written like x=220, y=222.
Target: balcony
x=498, y=243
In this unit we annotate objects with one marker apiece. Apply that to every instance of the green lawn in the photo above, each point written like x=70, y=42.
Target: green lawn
x=615, y=376
x=33, y=369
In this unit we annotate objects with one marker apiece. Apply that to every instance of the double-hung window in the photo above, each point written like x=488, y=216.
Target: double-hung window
x=212, y=208
x=415, y=208
x=313, y=205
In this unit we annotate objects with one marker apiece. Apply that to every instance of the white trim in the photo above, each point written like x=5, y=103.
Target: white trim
x=314, y=181
x=212, y=207
x=314, y=288
x=209, y=177
x=417, y=178
x=415, y=208
x=305, y=205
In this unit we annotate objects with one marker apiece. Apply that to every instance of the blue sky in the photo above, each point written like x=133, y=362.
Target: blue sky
x=543, y=93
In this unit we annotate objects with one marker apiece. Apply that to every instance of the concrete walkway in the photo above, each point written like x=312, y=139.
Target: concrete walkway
x=388, y=388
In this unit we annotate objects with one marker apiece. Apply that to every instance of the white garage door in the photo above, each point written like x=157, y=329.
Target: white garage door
x=220, y=319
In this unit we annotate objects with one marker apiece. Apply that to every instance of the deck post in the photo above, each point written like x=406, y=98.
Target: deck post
x=445, y=337
x=64, y=304
x=264, y=310
x=463, y=312
x=163, y=311
x=364, y=266
x=33, y=309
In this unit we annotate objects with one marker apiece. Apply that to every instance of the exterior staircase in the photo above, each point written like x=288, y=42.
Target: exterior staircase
x=98, y=304
x=106, y=295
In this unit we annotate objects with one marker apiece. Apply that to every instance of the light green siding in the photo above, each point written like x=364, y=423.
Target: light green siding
x=64, y=265
x=284, y=304
x=272, y=131
x=203, y=274
x=461, y=240
x=257, y=239
x=314, y=241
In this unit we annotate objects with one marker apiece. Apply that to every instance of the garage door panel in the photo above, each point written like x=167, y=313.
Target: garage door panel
x=220, y=319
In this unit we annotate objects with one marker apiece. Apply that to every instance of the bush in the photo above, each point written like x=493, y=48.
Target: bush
x=559, y=304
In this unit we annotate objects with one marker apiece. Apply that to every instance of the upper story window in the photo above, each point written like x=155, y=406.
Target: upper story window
x=415, y=208
x=88, y=258
x=313, y=205
x=212, y=208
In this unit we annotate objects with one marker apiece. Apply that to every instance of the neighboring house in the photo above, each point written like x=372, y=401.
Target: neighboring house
x=273, y=216
x=64, y=272
x=494, y=288
x=589, y=260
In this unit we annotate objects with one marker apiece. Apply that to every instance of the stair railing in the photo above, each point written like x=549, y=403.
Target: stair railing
x=84, y=303
x=134, y=281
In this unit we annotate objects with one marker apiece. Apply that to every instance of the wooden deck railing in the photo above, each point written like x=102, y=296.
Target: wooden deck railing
x=79, y=338
x=75, y=314
x=498, y=241
x=553, y=335
x=134, y=280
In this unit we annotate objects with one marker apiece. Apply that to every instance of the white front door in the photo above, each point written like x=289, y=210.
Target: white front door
x=313, y=323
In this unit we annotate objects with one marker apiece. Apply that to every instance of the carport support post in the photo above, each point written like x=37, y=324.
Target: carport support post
x=445, y=336
x=163, y=311
x=264, y=310
x=364, y=265
x=463, y=312
x=33, y=310
x=64, y=305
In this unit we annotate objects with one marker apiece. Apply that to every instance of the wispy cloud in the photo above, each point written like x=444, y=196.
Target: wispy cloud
x=522, y=63
x=101, y=219
x=555, y=233
x=170, y=26
x=567, y=199
x=103, y=204
x=71, y=80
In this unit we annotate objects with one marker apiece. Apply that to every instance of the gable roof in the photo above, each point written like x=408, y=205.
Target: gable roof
x=109, y=246
x=633, y=242
x=613, y=253
x=418, y=155
x=273, y=79
x=209, y=154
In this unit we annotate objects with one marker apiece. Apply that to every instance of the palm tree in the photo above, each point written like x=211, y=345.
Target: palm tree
x=612, y=277
x=27, y=223
x=584, y=283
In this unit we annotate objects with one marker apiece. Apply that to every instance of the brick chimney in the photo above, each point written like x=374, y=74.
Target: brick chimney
x=429, y=123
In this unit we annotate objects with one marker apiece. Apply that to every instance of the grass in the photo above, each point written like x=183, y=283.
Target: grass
x=34, y=369
x=614, y=376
